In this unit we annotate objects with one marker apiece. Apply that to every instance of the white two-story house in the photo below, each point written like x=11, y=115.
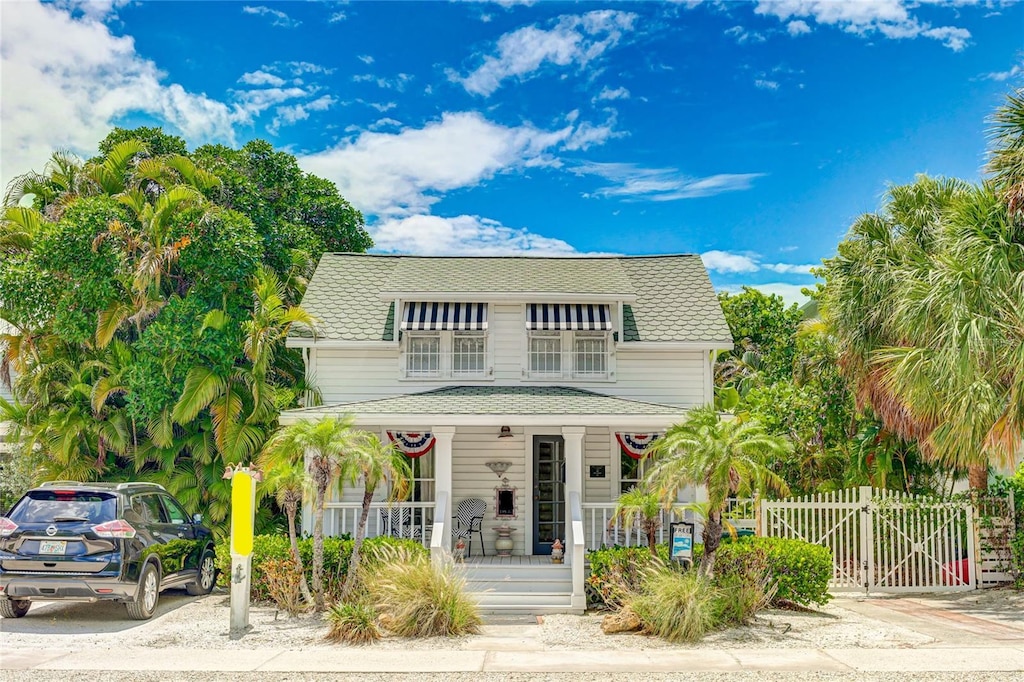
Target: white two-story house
x=531, y=384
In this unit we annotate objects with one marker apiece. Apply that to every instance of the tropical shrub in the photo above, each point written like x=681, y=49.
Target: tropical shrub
x=618, y=572
x=337, y=550
x=679, y=607
x=352, y=622
x=800, y=571
x=417, y=598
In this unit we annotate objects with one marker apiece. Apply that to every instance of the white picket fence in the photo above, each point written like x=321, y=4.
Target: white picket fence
x=881, y=540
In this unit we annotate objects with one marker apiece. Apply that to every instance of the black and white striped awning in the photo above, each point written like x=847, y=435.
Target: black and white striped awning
x=578, y=316
x=427, y=316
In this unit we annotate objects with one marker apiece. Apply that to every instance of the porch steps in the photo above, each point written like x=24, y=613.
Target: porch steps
x=528, y=589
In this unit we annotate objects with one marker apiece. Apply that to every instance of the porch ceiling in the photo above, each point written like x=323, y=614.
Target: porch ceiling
x=512, y=405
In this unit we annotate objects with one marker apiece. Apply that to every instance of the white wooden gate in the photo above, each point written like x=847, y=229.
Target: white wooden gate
x=882, y=541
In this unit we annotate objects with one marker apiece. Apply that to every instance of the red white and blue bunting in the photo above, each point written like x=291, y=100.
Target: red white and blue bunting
x=635, y=444
x=412, y=444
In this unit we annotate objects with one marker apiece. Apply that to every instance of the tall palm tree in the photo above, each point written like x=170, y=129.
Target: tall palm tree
x=728, y=458
x=323, y=445
x=374, y=463
x=924, y=301
x=1006, y=162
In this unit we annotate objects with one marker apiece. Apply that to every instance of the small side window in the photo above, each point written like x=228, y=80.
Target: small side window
x=148, y=507
x=175, y=511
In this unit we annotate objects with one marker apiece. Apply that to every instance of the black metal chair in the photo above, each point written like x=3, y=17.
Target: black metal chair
x=397, y=522
x=469, y=519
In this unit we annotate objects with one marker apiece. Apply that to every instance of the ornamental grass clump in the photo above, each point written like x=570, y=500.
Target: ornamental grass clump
x=353, y=623
x=679, y=607
x=416, y=598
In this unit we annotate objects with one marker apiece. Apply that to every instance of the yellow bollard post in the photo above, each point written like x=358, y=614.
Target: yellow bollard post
x=243, y=499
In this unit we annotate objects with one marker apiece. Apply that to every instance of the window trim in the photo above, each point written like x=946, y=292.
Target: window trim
x=568, y=356
x=446, y=360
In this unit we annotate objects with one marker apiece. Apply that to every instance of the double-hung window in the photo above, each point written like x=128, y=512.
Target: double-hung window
x=568, y=341
x=443, y=340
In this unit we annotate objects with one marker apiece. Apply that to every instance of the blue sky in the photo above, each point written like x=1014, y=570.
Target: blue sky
x=752, y=133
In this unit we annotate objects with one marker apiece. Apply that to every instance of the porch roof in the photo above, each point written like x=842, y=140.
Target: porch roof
x=512, y=405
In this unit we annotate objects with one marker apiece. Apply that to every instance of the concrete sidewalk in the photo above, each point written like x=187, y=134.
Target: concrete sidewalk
x=927, y=659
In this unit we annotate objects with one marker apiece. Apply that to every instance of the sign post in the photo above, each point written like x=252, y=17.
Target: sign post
x=243, y=516
x=682, y=542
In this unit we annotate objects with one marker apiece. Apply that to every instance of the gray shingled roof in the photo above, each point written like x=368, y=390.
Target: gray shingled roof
x=513, y=274
x=674, y=299
x=499, y=400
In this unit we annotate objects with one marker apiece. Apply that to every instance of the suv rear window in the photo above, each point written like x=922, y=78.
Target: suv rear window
x=49, y=506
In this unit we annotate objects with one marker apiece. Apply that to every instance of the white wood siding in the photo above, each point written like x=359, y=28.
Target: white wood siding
x=673, y=377
x=472, y=448
x=597, y=452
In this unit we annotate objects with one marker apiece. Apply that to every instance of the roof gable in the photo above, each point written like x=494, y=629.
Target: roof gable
x=668, y=298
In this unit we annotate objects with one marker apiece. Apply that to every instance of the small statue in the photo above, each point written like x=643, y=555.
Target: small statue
x=460, y=550
x=557, y=551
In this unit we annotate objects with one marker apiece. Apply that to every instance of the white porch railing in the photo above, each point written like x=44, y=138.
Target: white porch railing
x=603, y=529
x=578, y=558
x=439, y=535
x=413, y=520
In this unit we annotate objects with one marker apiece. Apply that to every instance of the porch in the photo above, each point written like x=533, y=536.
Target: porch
x=545, y=463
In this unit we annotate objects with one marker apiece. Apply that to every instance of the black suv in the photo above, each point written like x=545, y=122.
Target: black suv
x=89, y=541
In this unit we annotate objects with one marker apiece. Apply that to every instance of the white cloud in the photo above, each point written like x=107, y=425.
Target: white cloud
x=587, y=135
x=261, y=77
x=277, y=17
x=1001, y=76
x=743, y=36
x=574, y=39
x=398, y=83
x=291, y=114
x=609, y=94
x=382, y=107
x=890, y=18
x=365, y=58
x=798, y=27
x=790, y=293
x=336, y=17
x=257, y=101
x=633, y=182
x=302, y=68
x=726, y=262
x=385, y=122
x=68, y=80
x=402, y=173
x=463, y=235
x=766, y=84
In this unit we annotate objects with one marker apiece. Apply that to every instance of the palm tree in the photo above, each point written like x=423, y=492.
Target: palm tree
x=728, y=458
x=639, y=506
x=373, y=462
x=323, y=445
x=286, y=477
x=924, y=301
x=1006, y=162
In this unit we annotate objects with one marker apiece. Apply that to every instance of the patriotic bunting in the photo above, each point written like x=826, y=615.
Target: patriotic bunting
x=412, y=444
x=635, y=444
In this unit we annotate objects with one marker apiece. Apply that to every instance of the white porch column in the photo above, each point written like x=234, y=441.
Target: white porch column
x=573, y=436
x=443, y=475
x=574, y=546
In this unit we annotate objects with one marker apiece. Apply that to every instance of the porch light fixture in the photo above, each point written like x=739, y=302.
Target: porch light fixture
x=499, y=468
x=506, y=432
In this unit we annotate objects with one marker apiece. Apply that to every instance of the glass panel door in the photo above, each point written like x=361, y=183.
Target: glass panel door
x=548, y=492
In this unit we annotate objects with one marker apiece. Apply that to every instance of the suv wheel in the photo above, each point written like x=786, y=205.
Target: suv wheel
x=204, y=577
x=13, y=608
x=144, y=604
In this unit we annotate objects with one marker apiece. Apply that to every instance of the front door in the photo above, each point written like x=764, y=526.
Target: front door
x=548, y=492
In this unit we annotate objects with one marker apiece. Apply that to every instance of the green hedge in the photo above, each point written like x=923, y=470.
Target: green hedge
x=800, y=570
x=337, y=551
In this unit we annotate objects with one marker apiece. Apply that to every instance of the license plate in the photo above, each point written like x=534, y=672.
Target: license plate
x=52, y=546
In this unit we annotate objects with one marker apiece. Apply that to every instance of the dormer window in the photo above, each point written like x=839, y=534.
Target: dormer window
x=443, y=340
x=569, y=341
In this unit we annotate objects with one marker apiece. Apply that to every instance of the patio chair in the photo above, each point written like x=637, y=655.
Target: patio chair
x=397, y=522
x=469, y=519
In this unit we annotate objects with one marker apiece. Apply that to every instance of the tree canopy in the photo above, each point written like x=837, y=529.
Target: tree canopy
x=150, y=291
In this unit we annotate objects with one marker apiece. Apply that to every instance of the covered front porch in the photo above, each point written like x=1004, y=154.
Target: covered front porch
x=547, y=463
